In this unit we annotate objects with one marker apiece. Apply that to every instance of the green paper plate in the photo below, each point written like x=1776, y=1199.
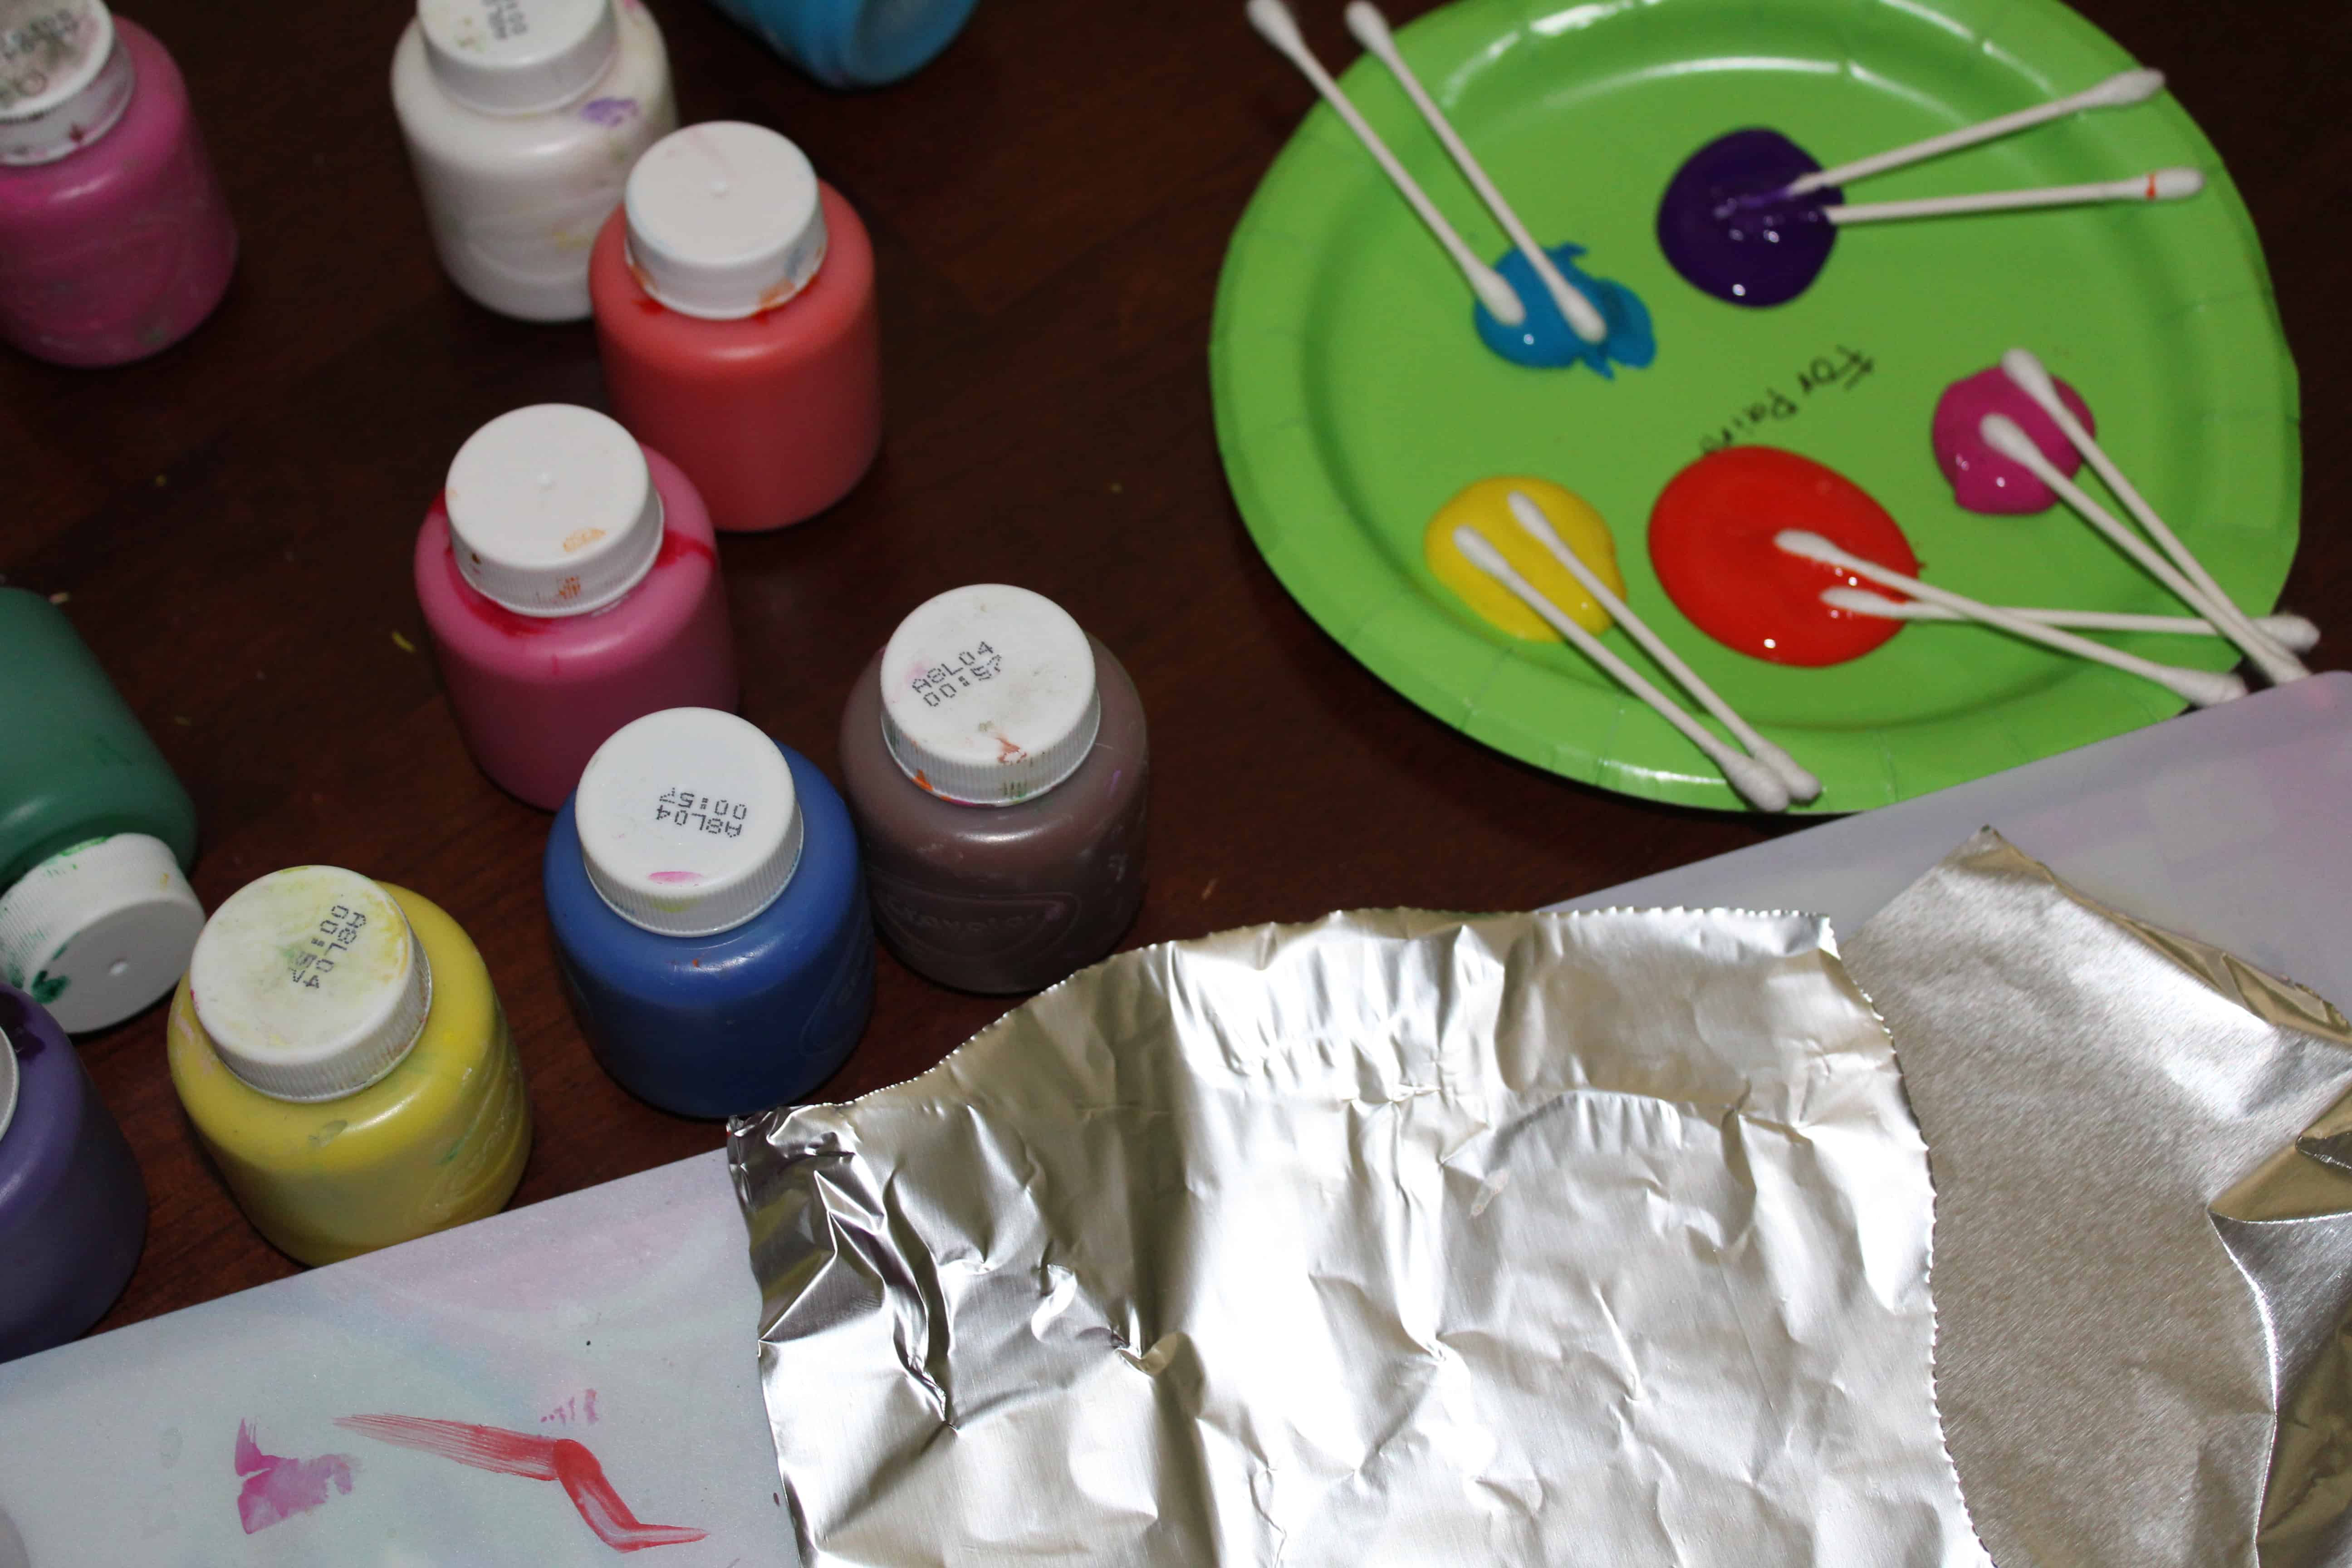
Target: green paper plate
x=1354, y=397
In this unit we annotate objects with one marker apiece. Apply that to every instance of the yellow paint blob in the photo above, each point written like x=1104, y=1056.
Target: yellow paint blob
x=1486, y=507
x=440, y=1140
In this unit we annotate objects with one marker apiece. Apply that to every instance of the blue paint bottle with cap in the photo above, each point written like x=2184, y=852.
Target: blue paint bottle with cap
x=855, y=43
x=709, y=915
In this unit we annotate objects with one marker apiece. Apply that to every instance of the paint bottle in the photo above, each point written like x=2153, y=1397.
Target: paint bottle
x=734, y=296
x=346, y=1063
x=854, y=43
x=115, y=242
x=72, y=1210
x=96, y=915
x=708, y=915
x=522, y=117
x=570, y=580
x=995, y=761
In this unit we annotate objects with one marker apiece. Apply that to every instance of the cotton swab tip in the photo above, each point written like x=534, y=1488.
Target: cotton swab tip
x=1759, y=785
x=2203, y=687
x=1371, y=28
x=1810, y=545
x=2007, y=437
x=2171, y=185
x=1502, y=301
x=2028, y=374
x=2125, y=87
x=1275, y=23
x=1794, y=775
x=2292, y=631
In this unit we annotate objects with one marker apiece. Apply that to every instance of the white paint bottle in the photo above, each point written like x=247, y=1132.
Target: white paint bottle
x=523, y=119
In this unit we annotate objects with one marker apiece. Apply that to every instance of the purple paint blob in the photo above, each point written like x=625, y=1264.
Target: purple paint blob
x=1724, y=227
x=609, y=111
x=1982, y=479
x=276, y=1488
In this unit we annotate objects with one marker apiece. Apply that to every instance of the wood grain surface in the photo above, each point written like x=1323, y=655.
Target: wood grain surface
x=231, y=521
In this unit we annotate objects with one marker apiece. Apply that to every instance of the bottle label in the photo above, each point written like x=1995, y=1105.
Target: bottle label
x=715, y=815
x=337, y=931
x=962, y=926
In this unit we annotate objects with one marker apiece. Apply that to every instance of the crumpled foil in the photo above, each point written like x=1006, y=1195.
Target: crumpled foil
x=2126, y=1378
x=1391, y=1240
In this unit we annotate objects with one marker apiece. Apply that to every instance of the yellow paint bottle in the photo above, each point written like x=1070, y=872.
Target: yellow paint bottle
x=338, y=1045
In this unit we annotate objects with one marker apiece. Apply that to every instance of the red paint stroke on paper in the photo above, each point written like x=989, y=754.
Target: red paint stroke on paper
x=276, y=1488
x=538, y=1458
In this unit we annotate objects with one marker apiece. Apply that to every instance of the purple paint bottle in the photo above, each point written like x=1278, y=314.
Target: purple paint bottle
x=115, y=242
x=73, y=1212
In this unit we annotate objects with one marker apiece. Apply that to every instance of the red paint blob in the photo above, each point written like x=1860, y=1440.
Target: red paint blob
x=1711, y=544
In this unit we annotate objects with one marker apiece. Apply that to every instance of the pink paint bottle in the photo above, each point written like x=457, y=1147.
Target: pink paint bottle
x=114, y=240
x=734, y=299
x=571, y=581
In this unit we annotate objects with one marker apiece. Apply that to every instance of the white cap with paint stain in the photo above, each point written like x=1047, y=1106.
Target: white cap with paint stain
x=310, y=983
x=989, y=695
x=96, y=932
x=688, y=822
x=553, y=510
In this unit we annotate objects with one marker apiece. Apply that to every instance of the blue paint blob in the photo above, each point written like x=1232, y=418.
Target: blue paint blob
x=1726, y=229
x=1546, y=341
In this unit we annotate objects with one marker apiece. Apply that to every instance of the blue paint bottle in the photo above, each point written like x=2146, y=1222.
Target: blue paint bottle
x=854, y=43
x=709, y=915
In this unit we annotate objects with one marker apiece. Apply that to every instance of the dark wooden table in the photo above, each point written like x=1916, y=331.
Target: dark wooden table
x=231, y=522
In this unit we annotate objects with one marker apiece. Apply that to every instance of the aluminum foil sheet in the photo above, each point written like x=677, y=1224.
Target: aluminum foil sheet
x=2126, y=1377
x=1391, y=1240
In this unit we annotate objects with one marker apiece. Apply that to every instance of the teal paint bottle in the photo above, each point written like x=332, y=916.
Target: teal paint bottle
x=97, y=919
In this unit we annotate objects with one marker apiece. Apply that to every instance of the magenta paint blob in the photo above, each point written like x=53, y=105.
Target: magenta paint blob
x=73, y=1213
x=115, y=242
x=577, y=607
x=1726, y=229
x=1982, y=479
x=276, y=1488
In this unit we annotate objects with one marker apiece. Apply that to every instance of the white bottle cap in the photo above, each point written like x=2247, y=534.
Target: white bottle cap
x=988, y=695
x=553, y=510
x=64, y=81
x=97, y=932
x=724, y=220
x=688, y=822
x=518, y=57
x=310, y=983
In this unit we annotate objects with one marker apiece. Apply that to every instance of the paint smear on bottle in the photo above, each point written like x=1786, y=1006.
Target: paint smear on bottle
x=560, y=1459
x=276, y=1488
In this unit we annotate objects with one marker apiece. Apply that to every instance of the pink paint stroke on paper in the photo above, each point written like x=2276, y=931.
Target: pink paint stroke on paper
x=557, y=1460
x=276, y=1488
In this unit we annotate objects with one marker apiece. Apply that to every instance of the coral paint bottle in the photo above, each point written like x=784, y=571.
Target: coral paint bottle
x=995, y=759
x=114, y=240
x=570, y=582
x=734, y=296
x=710, y=917
x=522, y=119
x=72, y=1211
x=346, y=1064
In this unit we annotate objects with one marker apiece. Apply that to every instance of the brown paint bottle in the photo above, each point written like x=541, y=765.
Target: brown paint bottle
x=995, y=759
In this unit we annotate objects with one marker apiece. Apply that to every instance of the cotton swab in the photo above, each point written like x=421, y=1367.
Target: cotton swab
x=2158, y=185
x=1372, y=30
x=2129, y=87
x=2197, y=685
x=1757, y=784
x=2026, y=372
x=2292, y=631
x=1275, y=23
x=2004, y=436
x=1801, y=785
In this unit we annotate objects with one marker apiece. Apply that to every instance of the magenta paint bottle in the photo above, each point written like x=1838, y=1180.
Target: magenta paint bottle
x=72, y=1210
x=114, y=239
x=571, y=581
